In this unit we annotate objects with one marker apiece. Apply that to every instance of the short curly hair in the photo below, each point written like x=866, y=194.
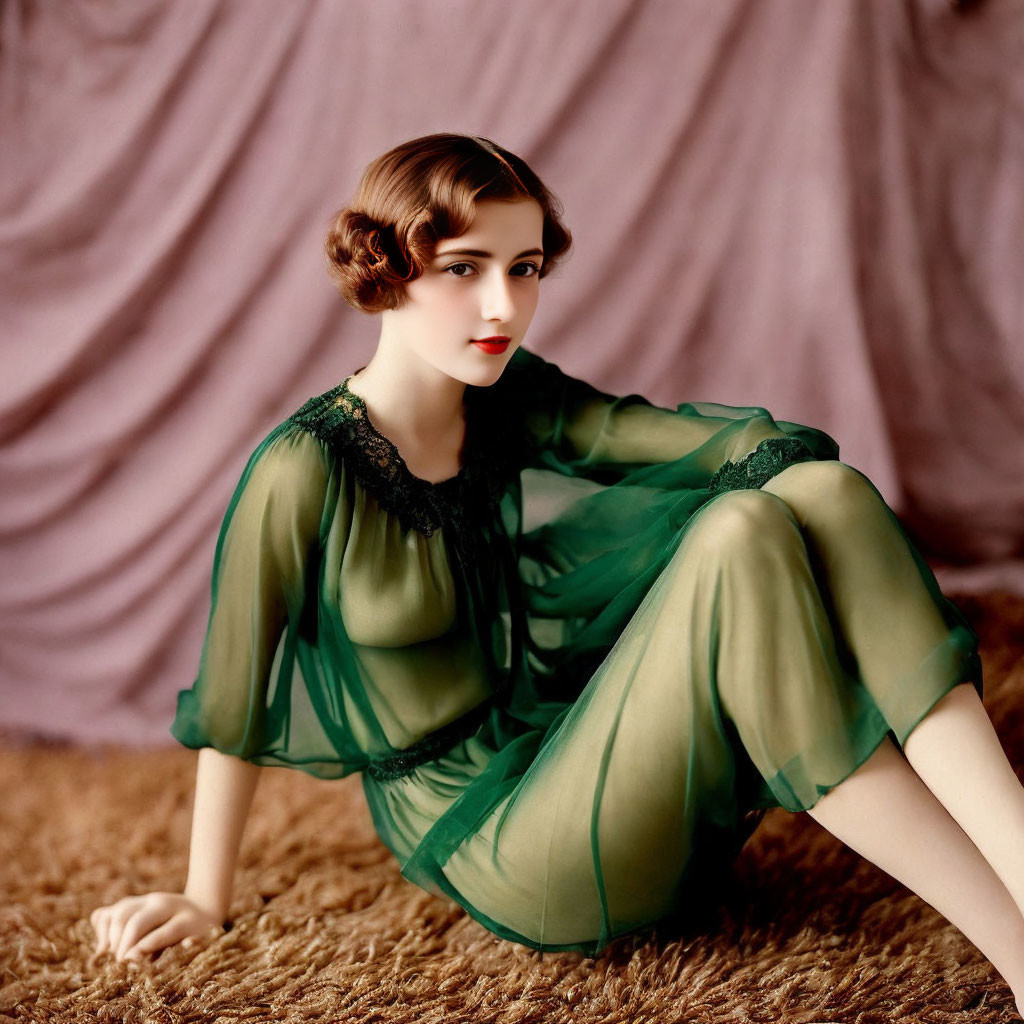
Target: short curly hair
x=415, y=196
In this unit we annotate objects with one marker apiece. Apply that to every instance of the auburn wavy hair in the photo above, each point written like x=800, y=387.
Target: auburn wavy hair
x=417, y=195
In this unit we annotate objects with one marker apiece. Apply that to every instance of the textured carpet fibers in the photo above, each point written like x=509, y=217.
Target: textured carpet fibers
x=325, y=928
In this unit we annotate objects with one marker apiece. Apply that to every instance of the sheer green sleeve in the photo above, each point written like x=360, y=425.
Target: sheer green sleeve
x=579, y=430
x=264, y=568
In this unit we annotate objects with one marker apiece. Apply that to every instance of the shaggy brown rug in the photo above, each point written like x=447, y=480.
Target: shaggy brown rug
x=325, y=928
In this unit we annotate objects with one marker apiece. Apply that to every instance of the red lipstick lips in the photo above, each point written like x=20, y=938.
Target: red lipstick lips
x=494, y=345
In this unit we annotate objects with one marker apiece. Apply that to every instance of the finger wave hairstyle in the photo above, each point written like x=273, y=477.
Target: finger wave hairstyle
x=415, y=196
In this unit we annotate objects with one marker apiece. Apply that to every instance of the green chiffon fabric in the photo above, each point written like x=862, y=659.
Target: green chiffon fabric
x=670, y=620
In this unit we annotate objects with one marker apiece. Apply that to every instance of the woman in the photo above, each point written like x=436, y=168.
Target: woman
x=567, y=725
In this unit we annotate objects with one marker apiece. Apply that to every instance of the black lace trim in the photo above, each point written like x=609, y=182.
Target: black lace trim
x=340, y=419
x=769, y=458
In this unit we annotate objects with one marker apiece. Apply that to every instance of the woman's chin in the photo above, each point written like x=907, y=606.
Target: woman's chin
x=488, y=368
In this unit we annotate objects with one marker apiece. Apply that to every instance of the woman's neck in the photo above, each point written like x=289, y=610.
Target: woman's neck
x=410, y=400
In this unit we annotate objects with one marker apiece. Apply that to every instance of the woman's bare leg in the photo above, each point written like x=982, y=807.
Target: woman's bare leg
x=957, y=753
x=890, y=623
x=886, y=813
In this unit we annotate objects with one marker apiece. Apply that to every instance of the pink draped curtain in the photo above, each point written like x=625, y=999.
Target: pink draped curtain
x=815, y=207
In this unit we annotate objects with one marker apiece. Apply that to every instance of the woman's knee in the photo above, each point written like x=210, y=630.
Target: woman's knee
x=828, y=487
x=737, y=519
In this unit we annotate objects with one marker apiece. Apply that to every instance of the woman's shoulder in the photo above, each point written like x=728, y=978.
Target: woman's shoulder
x=530, y=398
x=324, y=415
x=337, y=420
x=295, y=458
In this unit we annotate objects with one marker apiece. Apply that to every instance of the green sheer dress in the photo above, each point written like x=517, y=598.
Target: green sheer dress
x=575, y=674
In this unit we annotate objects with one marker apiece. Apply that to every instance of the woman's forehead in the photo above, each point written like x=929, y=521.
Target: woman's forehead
x=501, y=223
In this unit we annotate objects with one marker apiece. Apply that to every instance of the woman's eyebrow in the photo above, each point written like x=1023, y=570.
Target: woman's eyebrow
x=487, y=255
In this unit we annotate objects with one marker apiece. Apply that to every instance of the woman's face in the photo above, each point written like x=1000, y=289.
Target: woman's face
x=465, y=296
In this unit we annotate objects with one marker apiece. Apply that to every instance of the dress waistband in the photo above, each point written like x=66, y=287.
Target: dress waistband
x=432, y=746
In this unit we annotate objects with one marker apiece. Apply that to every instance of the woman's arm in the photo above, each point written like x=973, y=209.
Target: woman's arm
x=139, y=925
x=224, y=790
x=263, y=564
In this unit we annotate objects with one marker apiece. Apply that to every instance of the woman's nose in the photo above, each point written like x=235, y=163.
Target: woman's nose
x=498, y=303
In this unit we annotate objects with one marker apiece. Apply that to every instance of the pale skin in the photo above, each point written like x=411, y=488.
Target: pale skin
x=946, y=819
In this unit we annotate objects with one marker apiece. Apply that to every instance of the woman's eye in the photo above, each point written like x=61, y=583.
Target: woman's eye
x=456, y=266
x=532, y=269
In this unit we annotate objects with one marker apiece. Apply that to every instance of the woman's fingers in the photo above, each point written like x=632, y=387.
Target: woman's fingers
x=141, y=922
x=109, y=921
x=178, y=929
x=100, y=921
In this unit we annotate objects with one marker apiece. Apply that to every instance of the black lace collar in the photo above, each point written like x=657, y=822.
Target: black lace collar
x=339, y=417
x=384, y=449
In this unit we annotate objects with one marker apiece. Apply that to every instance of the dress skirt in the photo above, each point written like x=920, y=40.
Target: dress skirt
x=789, y=631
